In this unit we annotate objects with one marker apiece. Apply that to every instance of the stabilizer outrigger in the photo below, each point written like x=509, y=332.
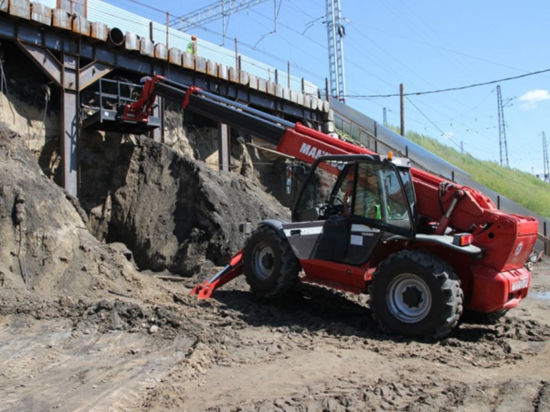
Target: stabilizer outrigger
x=233, y=269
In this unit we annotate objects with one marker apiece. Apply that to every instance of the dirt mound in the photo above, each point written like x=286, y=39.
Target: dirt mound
x=174, y=212
x=45, y=248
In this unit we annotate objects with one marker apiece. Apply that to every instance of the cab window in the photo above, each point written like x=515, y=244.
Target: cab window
x=379, y=195
x=359, y=188
x=324, y=193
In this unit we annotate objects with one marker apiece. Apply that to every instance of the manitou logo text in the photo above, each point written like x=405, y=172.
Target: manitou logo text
x=312, y=151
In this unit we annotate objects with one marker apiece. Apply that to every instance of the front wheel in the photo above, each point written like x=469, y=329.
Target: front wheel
x=416, y=294
x=270, y=266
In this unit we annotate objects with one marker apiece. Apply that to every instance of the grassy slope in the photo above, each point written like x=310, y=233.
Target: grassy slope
x=523, y=188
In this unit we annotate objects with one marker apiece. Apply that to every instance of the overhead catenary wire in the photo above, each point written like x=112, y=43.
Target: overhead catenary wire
x=183, y=36
x=148, y=6
x=425, y=116
x=267, y=54
x=450, y=89
x=321, y=46
x=443, y=133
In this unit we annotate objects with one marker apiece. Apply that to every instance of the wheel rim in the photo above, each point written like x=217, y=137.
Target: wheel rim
x=409, y=298
x=263, y=260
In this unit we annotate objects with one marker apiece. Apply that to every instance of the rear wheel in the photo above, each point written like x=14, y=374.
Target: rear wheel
x=416, y=294
x=270, y=266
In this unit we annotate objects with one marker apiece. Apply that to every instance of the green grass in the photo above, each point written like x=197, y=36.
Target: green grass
x=521, y=187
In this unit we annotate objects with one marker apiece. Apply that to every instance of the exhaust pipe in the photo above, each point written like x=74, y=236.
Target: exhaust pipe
x=116, y=37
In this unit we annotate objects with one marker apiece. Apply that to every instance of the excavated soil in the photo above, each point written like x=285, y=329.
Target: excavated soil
x=172, y=211
x=83, y=328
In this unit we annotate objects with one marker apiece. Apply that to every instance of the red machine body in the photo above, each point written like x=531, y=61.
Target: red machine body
x=496, y=281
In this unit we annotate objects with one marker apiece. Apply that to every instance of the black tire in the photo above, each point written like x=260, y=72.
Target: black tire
x=490, y=318
x=270, y=266
x=416, y=294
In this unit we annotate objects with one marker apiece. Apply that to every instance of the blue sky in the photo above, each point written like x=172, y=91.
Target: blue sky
x=424, y=44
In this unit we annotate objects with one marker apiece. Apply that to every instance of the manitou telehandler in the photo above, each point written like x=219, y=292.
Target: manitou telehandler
x=424, y=248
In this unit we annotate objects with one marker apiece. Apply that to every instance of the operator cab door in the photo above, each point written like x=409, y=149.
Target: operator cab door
x=347, y=205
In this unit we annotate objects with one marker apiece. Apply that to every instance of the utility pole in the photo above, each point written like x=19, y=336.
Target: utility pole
x=461, y=146
x=546, y=173
x=335, y=33
x=402, y=108
x=503, y=145
x=385, y=116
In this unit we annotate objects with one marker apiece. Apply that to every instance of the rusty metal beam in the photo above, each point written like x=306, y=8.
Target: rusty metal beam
x=65, y=42
x=158, y=111
x=69, y=122
x=91, y=73
x=47, y=62
x=66, y=75
x=224, y=147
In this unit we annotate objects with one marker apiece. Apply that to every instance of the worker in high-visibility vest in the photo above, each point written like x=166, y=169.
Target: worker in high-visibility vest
x=367, y=195
x=192, y=46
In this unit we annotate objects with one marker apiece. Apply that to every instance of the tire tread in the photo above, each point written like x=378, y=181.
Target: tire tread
x=446, y=279
x=289, y=267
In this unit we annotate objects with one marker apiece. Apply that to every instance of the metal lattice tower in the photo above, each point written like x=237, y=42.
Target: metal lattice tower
x=503, y=145
x=336, y=33
x=545, y=160
x=220, y=9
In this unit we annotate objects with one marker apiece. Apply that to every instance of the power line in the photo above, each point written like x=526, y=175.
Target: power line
x=432, y=122
x=265, y=53
x=148, y=6
x=449, y=89
x=425, y=116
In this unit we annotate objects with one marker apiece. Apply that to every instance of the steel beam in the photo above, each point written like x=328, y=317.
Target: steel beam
x=66, y=75
x=42, y=38
x=69, y=122
x=47, y=62
x=92, y=73
x=158, y=111
x=224, y=147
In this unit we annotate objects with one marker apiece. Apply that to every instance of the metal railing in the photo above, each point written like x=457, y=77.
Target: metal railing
x=111, y=94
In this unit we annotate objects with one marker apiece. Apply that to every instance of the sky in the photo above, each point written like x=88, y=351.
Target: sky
x=424, y=44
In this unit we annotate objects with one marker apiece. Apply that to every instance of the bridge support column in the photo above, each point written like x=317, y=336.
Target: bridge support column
x=158, y=111
x=224, y=147
x=69, y=122
x=68, y=75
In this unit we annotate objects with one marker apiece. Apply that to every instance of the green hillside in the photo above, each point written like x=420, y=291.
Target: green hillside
x=523, y=188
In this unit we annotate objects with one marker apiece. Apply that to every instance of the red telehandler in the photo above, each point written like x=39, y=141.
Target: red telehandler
x=424, y=248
